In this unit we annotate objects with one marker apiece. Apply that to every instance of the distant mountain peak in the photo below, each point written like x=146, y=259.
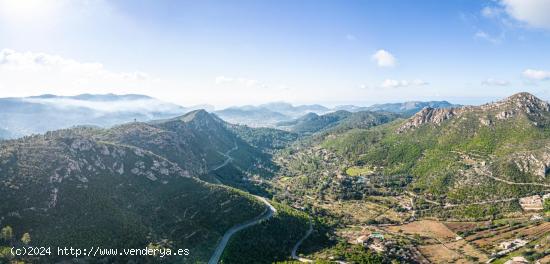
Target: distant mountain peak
x=309, y=116
x=94, y=97
x=44, y=96
x=110, y=96
x=196, y=115
x=201, y=119
x=521, y=96
x=522, y=102
x=410, y=107
x=529, y=100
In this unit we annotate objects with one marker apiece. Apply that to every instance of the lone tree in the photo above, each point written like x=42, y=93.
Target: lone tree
x=6, y=233
x=26, y=238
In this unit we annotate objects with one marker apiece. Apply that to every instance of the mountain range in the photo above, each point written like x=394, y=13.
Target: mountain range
x=186, y=181
x=281, y=115
x=39, y=114
x=268, y=114
x=407, y=108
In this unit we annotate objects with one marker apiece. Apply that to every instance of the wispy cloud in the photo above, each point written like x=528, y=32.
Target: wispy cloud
x=384, y=59
x=491, y=11
x=220, y=80
x=480, y=34
x=537, y=75
x=37, y=64
x=495, y=82
x=391, y=83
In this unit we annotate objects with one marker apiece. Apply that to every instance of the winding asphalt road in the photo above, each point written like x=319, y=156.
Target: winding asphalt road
x=227, y=156
x=228, y=159
x=293, y=254
x=268, y=213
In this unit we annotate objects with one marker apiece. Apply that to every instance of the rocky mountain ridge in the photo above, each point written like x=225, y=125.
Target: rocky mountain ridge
x=520, y=103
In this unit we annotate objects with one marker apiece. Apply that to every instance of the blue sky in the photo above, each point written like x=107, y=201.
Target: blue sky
x=250, y=52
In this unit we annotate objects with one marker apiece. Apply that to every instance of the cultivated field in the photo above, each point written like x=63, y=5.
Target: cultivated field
x=438, y=243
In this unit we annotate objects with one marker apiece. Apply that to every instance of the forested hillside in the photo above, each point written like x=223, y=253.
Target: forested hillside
x=338, y=121
x=66, y=188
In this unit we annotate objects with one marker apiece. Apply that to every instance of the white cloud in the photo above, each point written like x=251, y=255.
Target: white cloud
x=534, y=13
x=491, y=12
x=223, y=79
x=35, y=73
x=536, y=74
x=485, y=36
x=390, y=83
x=12, y=59
x=384, y=58
x=495, y=82
x=237, y=81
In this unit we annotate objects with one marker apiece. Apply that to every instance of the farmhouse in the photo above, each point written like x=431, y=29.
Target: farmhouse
x=531, y=203
x=506, y=244
x=513, y=243
x=374, y=241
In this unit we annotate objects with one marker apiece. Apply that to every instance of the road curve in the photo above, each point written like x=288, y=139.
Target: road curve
x=268, y=213
x=295, y=248
x=227, y=156
x=225, y=162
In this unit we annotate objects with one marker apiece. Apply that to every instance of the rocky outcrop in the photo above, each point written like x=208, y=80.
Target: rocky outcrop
x=515, y=105
x=537, y=164
x=528, y=103
x=429, y=115
x=505, y=115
